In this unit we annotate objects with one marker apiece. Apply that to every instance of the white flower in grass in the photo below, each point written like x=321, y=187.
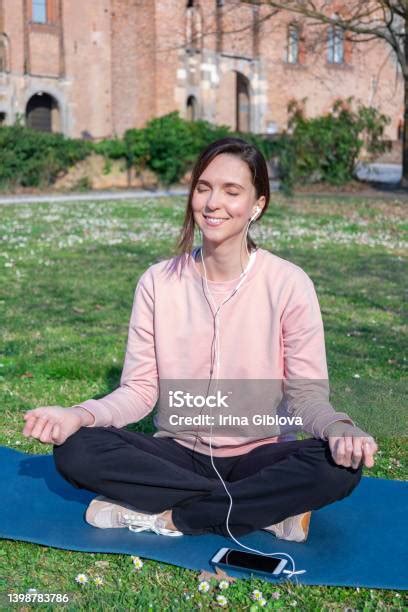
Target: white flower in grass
x=262, y=602
x=137, y=562
x=204, y=586
x=221, y=600
x=32, y=590
x=356, y=375
x=98, y=581
x=257, y=595
x=223, y=584
x=276, y=595
x=82, y=579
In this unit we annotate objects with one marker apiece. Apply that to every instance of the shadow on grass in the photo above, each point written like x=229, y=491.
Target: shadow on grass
x=113, y=382
x=348, y=272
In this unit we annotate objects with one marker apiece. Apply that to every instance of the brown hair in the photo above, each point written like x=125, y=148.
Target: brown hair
x=250, y=154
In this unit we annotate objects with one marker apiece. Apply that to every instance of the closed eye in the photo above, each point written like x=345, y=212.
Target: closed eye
x=200, y=190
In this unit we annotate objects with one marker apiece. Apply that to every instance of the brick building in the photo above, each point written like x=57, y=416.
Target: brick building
x=95, y=68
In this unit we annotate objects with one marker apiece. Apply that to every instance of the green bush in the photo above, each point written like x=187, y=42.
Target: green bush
x=133, y=149
x=268, y=148
x=175, y=143
x=204, y=133
x=34, y=159
x=111, y=148
x=170, y=144
x=326, y=148
x=137, y=147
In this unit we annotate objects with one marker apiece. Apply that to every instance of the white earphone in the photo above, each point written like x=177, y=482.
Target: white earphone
x=256, y=213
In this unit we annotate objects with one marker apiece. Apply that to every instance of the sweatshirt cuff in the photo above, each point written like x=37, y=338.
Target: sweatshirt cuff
x=100, y=413
x=320, y=427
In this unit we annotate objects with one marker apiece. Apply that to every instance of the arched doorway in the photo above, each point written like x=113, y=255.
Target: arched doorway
x=243, y=117
x=42, y=113
x=191, y=108
x=233, y=103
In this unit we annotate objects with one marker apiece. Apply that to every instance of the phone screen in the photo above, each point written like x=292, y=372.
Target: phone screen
x=253, y=561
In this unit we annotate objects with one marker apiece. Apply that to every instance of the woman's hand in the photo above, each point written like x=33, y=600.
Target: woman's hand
x=54, y=424
x=349, y=445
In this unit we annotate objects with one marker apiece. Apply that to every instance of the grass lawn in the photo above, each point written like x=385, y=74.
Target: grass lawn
x=69, y=273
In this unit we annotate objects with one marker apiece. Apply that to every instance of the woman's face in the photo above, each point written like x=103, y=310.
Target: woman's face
x=224, y=198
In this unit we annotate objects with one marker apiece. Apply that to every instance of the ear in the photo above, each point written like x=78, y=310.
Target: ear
x=261, y=202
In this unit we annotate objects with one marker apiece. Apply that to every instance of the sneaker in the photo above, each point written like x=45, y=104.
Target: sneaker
x=294, y=528
x=107, y=514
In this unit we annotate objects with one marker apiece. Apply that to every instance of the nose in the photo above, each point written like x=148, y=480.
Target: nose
x=211, y=203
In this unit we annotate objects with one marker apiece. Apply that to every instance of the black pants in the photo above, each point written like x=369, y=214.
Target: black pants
x=267, y=485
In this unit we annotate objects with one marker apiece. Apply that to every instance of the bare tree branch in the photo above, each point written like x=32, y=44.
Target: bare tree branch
x=380, y=19
x=363, y=20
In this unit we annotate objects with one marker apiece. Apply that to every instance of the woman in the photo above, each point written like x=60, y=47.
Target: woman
x=227, y=311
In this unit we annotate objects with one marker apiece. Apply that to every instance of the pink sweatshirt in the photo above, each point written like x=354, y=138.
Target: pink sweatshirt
x=271, y=330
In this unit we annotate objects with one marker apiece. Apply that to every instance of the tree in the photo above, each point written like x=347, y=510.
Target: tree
x=362, y=21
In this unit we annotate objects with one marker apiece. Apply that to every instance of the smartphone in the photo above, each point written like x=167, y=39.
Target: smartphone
x=239, y=559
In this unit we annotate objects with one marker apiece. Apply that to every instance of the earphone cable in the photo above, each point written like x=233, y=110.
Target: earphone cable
x=289, y=573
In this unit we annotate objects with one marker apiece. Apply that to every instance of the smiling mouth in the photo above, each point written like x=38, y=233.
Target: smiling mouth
x=214, y=221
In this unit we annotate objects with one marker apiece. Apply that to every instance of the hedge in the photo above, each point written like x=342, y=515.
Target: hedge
x=322, y=148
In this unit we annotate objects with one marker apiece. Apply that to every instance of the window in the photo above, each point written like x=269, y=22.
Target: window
x=191, y=108
x=293, y=44
x=193, y=28
x=39, y=8
x=400, y=130
x=335, y=48
x=3, y=54
x=243, y=104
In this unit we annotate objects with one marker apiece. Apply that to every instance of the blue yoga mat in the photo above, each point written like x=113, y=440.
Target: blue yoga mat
x=359, y=541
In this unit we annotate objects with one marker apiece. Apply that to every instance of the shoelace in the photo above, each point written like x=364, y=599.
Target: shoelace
x=143, y=522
